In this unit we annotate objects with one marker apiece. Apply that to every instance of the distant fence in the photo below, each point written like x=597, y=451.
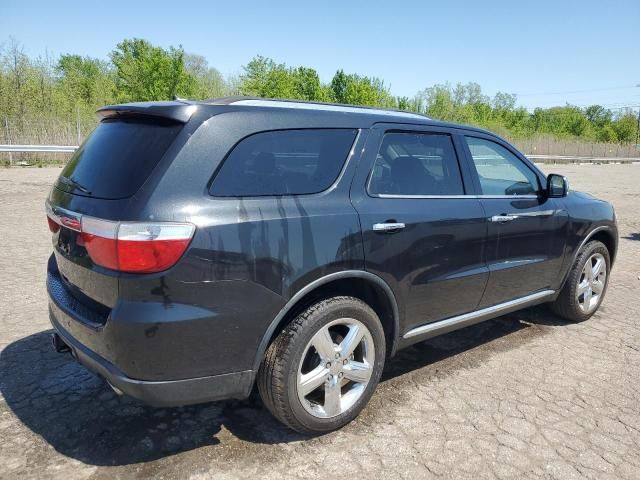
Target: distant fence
x=536, y=158
x=548, y=145
x=581, y=159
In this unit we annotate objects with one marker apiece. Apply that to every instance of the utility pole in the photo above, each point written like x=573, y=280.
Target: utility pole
x=6, y=127
x=638, y=126
x=638, y=130
x=78, y=124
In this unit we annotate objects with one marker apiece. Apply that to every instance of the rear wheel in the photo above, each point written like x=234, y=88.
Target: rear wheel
x=322, y=369
x=587, y=284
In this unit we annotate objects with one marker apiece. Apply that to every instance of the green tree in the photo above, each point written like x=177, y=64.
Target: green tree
x=16, y=87
x=145, y=72
x=403, y=103
x=598, y=115
x=607, y=134
x=306, y=84
x=338, y=87
x=504, y=101
x=625, y=127
x=45, y=94
x=208, y=82
x=439, y=103
x=85, y=81
x=355, y=89
x=265, y=78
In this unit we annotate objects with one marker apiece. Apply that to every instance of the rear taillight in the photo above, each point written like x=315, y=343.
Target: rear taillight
x=53, y=225
x=135, y=247
x=152, y=247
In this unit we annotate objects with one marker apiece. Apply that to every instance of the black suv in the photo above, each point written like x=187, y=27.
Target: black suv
x=204, y=247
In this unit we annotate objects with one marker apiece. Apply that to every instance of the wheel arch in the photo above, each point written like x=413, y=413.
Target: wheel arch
x=603, y=234
x=357, y=283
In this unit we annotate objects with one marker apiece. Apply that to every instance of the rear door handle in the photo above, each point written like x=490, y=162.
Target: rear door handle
x=503, y=218
x=388, y=227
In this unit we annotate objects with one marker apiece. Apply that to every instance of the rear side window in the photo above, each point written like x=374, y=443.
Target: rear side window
x=118, y=156
x=416, y=164
x=284, y=162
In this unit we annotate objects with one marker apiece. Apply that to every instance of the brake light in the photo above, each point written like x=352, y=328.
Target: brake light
x=135, y=247
x=144, y=247
x=100, y=238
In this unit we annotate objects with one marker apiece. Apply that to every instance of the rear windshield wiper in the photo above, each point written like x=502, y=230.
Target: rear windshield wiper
x=73, y=183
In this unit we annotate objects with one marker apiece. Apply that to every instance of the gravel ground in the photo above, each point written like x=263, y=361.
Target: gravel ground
x=526, y=395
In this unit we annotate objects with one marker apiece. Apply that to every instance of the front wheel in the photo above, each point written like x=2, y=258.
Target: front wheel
x=322, y=369
x=586, y=286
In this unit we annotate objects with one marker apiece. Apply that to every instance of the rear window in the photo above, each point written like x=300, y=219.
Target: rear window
x=284, y=162
x=118, y=156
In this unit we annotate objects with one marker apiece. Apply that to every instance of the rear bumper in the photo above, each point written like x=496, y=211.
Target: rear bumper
x=159, y=393
x=150, y=353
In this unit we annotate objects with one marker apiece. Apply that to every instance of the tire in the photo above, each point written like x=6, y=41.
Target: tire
x=571, y=304
x=310, y=392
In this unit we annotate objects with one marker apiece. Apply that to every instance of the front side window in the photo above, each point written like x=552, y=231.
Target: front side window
x=500, y=172
x=284, y=162
x=416, y=164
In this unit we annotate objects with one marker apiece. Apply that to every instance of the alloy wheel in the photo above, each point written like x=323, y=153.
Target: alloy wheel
x=592, y=283
x=335, y=368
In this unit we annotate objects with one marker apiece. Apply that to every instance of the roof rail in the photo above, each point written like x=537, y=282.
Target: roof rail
x=309, y=105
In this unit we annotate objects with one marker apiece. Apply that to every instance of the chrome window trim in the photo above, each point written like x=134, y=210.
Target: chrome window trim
x=394, y=196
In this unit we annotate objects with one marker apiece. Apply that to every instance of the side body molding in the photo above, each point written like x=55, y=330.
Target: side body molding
x=317, y=283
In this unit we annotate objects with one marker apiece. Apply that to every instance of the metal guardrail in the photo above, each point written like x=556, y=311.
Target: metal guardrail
x=536, y=158
x=38, y=148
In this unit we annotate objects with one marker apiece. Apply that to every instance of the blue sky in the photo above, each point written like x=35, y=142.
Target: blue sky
x=547, y=52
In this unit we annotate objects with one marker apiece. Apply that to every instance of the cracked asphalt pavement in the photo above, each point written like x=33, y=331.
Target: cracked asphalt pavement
x=523, y=396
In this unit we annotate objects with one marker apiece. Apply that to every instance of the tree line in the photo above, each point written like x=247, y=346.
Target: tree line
x=69, y=88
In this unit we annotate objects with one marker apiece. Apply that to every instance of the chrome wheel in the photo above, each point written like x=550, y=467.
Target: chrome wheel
x=335, y=368
x=592, y=282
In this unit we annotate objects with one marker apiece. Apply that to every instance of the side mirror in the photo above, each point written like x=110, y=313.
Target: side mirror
x=557, y=185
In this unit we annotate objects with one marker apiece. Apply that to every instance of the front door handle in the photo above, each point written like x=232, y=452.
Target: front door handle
x=389, y=227
x=508, y=217
x=503, y=218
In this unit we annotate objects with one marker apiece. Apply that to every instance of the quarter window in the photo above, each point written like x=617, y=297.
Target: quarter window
x=284, y=162
x=500, y=172
x=416, y=164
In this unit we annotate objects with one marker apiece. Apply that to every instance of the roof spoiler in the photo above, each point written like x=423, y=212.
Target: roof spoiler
x=178, y=111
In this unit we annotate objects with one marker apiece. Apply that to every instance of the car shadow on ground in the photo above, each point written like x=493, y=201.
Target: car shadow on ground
x=80, y=416
x=632, y=236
